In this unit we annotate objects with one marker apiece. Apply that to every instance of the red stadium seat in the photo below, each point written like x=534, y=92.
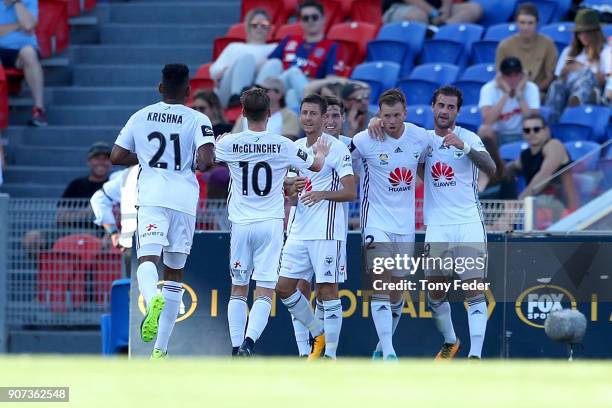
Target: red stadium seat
x=288, y=29
x=353, y=39
x=52, y=30
x=279, y=10
x=14, y=77
x=56, y=272
x=334, y=13
x=3, y=99
x=202, y=79
x=106, y=268
x=232, y=114
x=78, y=7
x=367, y=11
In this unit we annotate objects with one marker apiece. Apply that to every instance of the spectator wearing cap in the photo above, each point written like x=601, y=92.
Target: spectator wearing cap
x=582, y=68
x=504, y=101
x=98, y=160
x=356, y=98
x=537, y=52
x=19, y=49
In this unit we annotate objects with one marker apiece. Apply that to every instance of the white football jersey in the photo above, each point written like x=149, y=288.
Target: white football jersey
x=389, y=178
x=165, y=138
x=258, y=163
x=324, y=220
x=451, y=181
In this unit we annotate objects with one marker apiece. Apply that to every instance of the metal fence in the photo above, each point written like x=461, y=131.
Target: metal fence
x=61, y=266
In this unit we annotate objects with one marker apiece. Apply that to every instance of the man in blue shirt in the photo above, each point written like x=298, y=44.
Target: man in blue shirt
x=19, y=49
x=297, y=59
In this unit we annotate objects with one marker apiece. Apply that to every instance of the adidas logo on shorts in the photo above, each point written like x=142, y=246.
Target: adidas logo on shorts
x=333, y=316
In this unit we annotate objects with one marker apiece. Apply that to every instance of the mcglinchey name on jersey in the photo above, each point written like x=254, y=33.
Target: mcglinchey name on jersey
x=256, y=148
x=165, y=117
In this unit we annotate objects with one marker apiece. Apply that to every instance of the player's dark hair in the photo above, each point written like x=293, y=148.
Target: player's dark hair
x=333, y=101
x=255, y=104
x=390, y=97
x=448, y=90
x=175, y=80
x=527, y=9
x=317, y=100
x=311, y=3
x=537, y=116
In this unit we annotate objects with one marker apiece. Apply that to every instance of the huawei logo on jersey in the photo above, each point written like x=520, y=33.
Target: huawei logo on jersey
x=400, y=179
x=308, y=185
x=442, y=175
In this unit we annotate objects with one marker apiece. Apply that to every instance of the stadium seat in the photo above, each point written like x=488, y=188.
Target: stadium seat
x=288, y=29
x=484, y=50
x=379, y=75
x=560, y=33
x=14, y=77
x=106, y=268
x=425, y=79
x=279, y=10
x=78, y=7
x=607, y=30
x=586, y=185
x=496, y=11
x=4, y=111
x=334, y=12
x=366, y=11
x=569, y=132
x=472, y=79
x=595, y=116
x=52, y=30
x=585, y=153
x=55, y=272
x=398, y=42
x=452, y=44
x=512, y=151
x=563, y=7
x=235, y=33
x=547, y=9
x=421, y=115
x=115, y=327
x=202, y=79
x=469, y=118
x=353, y=40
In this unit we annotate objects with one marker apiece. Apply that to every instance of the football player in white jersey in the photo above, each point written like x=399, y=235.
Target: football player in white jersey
x=258, y=161
x=163, y=139
x=333, y=120
x=388, y=183
x=316, y=233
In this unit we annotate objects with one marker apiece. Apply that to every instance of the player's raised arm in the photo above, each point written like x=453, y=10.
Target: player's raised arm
x=122, y=156
x=475, y=150
x=321, y=149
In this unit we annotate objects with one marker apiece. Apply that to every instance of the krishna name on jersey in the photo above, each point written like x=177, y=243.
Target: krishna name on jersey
x=324, y=220
x=258, y=163
x=165, y=138
x=451, y=181
x=389, y=178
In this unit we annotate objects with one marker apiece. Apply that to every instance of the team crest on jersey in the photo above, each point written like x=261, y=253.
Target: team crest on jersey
x=443, y=175
x=416, y=154
x=400, y=179
x=302, y=154
x=329, y=260
x=429, y=151
x=457, y=154
x=318, y=52
x=384, y=159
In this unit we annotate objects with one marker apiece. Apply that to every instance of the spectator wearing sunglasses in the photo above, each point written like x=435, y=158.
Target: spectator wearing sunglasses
x=297, y=60
x=544, y=157
x=238, y=64
x=208, y=103
x=282, y=121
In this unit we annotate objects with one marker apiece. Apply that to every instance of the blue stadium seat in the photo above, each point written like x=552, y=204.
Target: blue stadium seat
x=578, y=151
x=512, y=151
x=591, y=3
x=484, y=50
x=115, y=327
x=398, y=42
x=607, y=30
x=547, y=9
x=421, y=115
x=425, y=79
x=469, y=118
x=570, y=132
x=452, y=44
x=560, y=33
x=472, y=79
x=563, y=6
x=496, y=11
x=595, y=116
x=379, y=75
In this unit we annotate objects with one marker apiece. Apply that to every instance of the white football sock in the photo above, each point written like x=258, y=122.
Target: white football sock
x=383, y=321
x=147, y=277
x=172, y=293
x=301, y=310
x=441, y=313
x=477, y=321
x=301, y=337
x=396, y=313
x=319, y=310
x=258, y=317
x=237, y=319
x=333, y=325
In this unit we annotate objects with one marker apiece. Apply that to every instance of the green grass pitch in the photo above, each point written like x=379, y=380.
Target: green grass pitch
x=268, y=382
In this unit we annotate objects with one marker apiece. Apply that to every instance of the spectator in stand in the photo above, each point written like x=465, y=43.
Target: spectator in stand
x=297, y=60
x=583, y=67
x=537, y=52
x=207, y=102
x=283, y=121
x=544, y=157
x=19, y=49
x=356, y=98
x=504, y=101
x=433, y=12
x=238, y=64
